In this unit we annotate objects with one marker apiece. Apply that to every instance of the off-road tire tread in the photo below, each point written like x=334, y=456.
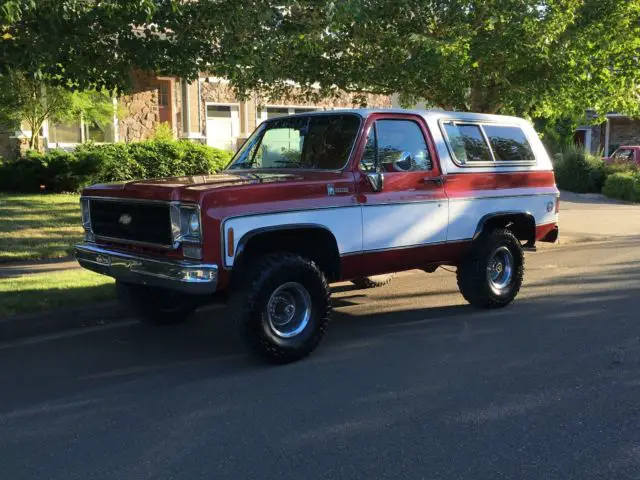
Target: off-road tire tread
x=243, y=305
x=471, y=273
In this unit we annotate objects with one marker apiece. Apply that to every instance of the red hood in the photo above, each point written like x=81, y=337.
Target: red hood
x=191, y=188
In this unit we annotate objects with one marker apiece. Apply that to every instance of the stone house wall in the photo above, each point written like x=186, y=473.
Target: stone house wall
x=623, y=131
x=9, y=145
x=141, y=109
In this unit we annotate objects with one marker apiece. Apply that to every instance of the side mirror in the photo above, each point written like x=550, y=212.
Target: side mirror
x=376, y=180
x=403, y=162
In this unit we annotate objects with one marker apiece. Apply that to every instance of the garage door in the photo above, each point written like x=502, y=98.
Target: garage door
x=223, y=125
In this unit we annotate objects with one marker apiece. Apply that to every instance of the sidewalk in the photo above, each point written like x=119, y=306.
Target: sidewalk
x=10, y=270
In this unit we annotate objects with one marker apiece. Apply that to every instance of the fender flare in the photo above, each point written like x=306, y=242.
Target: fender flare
x=509, y=213
x=242, y=243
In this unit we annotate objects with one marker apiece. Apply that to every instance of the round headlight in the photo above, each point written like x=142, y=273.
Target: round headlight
x=194, y=223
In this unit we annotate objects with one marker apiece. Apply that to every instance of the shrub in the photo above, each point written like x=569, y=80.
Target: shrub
x=89, y=164
x=107, y=163
x=26, y=174
x=623, y=186
x=622, y=167
x=578, y=171
x=163, y=133
x=215, y=158
x=158, y=158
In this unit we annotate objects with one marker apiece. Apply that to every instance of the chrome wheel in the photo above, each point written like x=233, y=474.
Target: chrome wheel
x=289, y=310
x=500, y=269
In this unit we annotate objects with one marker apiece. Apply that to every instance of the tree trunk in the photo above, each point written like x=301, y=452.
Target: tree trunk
x=484, y=100
x=34, y=139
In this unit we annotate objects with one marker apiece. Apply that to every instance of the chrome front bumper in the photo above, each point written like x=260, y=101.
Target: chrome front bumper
x=184, y=276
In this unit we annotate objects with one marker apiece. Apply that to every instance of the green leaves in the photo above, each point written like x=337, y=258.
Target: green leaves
x=528, y=57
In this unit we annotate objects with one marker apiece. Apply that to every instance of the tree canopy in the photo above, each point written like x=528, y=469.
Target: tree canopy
x=528, y=57
x=538, y=58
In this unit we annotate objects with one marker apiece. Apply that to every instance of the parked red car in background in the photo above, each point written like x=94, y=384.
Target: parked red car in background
x=624, y=154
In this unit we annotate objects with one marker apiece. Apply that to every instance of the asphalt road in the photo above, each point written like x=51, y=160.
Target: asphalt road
x=409, y=383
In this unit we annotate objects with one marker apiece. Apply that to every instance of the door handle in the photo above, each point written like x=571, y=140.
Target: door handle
x=435, y=180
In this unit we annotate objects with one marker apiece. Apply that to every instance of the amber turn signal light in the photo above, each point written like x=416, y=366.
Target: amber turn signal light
x=230, y=245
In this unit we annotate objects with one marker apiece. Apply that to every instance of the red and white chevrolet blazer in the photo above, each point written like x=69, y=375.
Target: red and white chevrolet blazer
x=320, y=197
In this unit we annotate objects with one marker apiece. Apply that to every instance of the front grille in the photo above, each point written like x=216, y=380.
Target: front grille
x=131, y=221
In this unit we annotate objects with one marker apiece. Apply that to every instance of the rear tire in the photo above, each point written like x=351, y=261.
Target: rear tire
x=156, y=306
x=283, y=307
x=492, y=274
x=375, y=281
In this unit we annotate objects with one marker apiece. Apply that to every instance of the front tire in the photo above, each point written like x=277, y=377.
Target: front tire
x=283, y=307
x=156, y=306
x=492, y=273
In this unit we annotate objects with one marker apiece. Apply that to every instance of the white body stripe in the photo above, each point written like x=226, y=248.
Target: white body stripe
x=345, y=223
x=381, y=227
x=464, y=214
x=403, y=225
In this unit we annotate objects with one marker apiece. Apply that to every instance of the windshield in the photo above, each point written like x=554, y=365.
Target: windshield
x=321, y=142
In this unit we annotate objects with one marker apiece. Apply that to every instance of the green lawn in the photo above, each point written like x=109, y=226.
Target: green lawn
x=38, y=226
x=39, y=292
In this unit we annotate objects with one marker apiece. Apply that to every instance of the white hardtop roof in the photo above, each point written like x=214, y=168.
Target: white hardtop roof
x=427, y=114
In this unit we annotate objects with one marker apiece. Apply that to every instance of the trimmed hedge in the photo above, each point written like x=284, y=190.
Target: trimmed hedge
x=623, y=186
x=88, y=164
x=578, y=171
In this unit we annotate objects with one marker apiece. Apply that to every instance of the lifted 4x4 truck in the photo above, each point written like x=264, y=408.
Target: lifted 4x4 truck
x=321, y=197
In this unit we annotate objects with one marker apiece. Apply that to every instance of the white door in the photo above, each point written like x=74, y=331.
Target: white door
x=411, y=209
x=223, y=125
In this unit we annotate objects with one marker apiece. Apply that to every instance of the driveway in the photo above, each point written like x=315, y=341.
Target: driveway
x=595, y=217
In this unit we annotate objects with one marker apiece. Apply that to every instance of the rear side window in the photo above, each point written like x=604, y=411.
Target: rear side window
x=468, y=143
x=509, y=144
x=475, y=143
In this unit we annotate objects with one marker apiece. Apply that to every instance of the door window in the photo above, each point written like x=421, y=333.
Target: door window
x=396, y=146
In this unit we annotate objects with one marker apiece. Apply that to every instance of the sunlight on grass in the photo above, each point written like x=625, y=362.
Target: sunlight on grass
x=38, y=226
x=38, y=292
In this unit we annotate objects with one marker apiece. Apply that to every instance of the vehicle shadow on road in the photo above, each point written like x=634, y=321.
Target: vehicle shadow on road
x=208, y=348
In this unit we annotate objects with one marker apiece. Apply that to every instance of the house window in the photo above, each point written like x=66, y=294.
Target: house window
x=163, y=94
x=98, y=133
x=65, y=132
x=273, y=112
x=72, y=132
x=304, y=110
x=267, y=113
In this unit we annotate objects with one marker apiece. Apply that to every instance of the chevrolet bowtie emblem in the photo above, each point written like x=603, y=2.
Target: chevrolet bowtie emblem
x=125, y=219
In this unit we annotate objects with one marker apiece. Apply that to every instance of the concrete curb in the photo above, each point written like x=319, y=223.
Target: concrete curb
x=33, y=324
